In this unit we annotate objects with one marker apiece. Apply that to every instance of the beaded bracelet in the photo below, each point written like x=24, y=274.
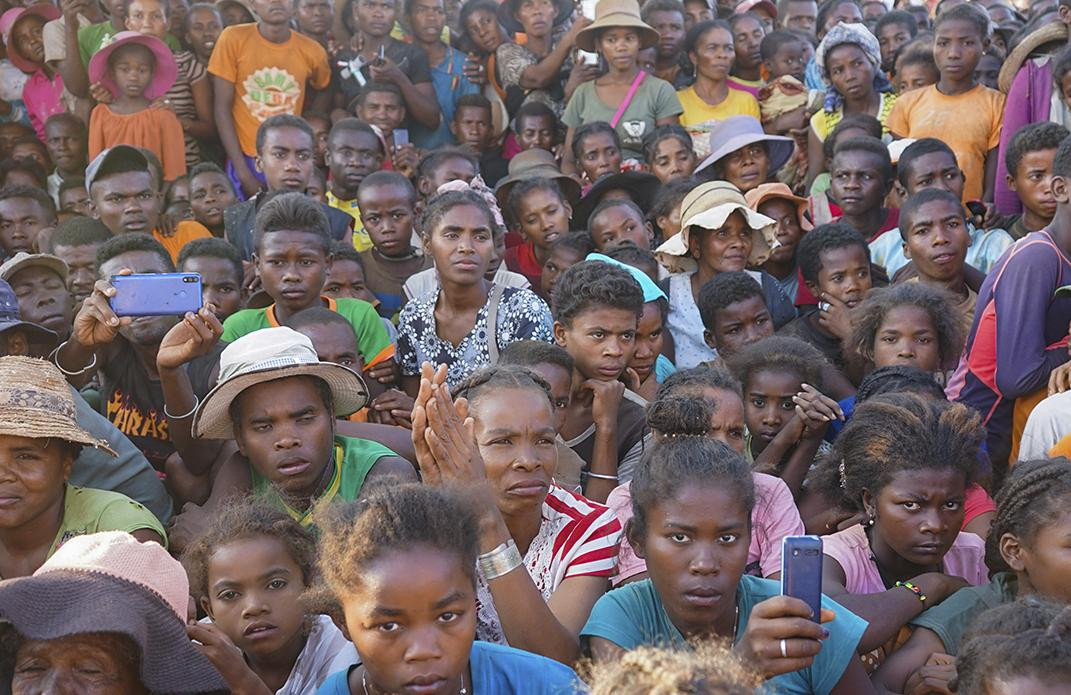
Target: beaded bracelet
x=913, y=589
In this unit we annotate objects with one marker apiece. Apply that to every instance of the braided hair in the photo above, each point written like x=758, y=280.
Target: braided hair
x=680, y=416
x=691, y=382
x=1034, y=493
x=499, y=378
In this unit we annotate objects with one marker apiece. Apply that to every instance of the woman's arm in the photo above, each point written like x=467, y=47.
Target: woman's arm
x=569, y=165
x=603, y=649
x=202, y=126
x=892, y=675
x=816, y=157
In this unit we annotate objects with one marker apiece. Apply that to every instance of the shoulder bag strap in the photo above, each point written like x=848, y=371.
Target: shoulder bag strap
x=628, y=98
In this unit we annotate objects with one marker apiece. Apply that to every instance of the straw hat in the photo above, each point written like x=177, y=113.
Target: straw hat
x=531, y=164
x=271, y=354
x=1054, y=32
x=616, y=13
x=36, y=402
x=109, y=582
x=707, y=206
x=163, y=76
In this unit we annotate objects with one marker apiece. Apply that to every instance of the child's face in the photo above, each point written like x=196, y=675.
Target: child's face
x=536, y=132
x=434, y=611
x=274, y=12
x=938, y=496
x=850, y=71
x=844, y=13
x=937, y=241
x=203, y=26
x=957, y=49
x=81, y=263
x=988, y=71
x=747, y=37
x=618, y=225
x=725, y=249
x=320, y=128
x=788, y=232
x=599, y=156
x=21, y=220
x=345, y=279
x=383, y=110
x=908, y=338
x=221, y=285
x=286, y=159
x=935, y=170
x=670, y=224
x=768, y=402
x=452, y=169
x=387, y=214
x=254, y=596
x=845, y=275
x=1044, y=562
x=335, y=342
x=351, y=156
x=210, y=195
x=738, y=325
x=292, y=267
x=472, y=127
x=672, y=160
x=147, y=17
x=696, y=11
x=719, y=535
x=601, y=341
x=746, y=167
x=132, y=68
x=647, y=59
x=670, y=27
x=788, y=60
x=76, y=200
x=179, y=191
x=462, y=245
x=542, y=216
x=1033, y=183
x=515, y=430
x=560, y=260
x=915, y=76
x=66, y=146
x=287, y=434
x=857, y=181
x=560, y=380
x=649, y=340
x=890, y=38
x=26, y=37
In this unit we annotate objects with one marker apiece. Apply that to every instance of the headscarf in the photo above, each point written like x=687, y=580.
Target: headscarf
x=781, y=96
x=856, y=34
x=477, y=186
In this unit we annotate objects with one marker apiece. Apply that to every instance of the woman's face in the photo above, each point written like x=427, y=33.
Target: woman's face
x=650, y=337
x=747, y=35
x=747, y=167
x=32, y=476
x=147, y=17
x=26, y=37
x=619, y=46
x=713, y=54
x=789, y=232
x=516, y=430
x=484, y=31
x=87, y=664
x=672, y=160
x=725, y=249
x=907, y=337
x=536, y=16
x=462, y=245
x=850, y=71
x=844, y=13
x=727, y=422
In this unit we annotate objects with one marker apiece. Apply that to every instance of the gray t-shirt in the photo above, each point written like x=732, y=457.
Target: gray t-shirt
x=654, y=100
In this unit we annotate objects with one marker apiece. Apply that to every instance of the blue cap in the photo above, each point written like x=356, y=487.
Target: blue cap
x=41, y=339
x=651, y=291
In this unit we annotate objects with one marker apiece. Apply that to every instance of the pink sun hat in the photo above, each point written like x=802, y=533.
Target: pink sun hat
x=163, y=76
x=8, y=21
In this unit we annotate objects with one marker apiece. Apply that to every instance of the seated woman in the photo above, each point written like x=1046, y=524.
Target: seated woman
x=465, y=321
x=39, y=441
x=719, y=234
x=505, y=451
x=742, y=154
x=110, y=603
x=905, y=462
x=693, y=501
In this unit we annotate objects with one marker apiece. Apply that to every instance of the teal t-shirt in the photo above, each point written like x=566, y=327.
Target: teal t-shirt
x=633, y=616
x=949, y=619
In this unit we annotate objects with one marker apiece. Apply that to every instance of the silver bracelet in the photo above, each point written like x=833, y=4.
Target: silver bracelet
x=500, y=561
x=600, y=476
x=54, y=358
x=196, y=402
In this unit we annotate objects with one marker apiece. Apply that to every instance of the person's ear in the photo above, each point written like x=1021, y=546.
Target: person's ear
x=425, y=243
x=328, y=263
x=568, y=209
x=812, y=287
x=1060, y=190
x=710, y=340
x=693, y=246
x=1063, y=12
x=68, y=462
x=560, y=334
x=206, y=606
x=635, y=538
x=454, y=130
x=906, y=249
x=424, y=186
x=17, y=344
x=870, y=506
x=258, y=164
x=650, y=234
x=1012, y=550
x=1010, y=180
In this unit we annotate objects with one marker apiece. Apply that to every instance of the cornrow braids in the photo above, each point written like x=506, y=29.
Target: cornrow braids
x=691, y=382
x=394, y=518
x=898, y=379
x=499, y=378
x=898, y=432
x=782, y=354
x=868, y=317
x=680, y=416
x=1033, y=494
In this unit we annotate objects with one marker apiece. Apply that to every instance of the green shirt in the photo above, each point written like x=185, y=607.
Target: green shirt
x=86, y=511
x=950, y=618
x=372, y=340
x=96, y=36
x=354, y=458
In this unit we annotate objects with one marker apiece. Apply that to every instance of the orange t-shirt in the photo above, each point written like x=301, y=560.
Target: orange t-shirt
x=185, y=232
x=157, y=130
x=269, y=78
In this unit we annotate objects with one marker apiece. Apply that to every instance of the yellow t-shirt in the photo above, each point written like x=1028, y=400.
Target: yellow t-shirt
x=823, y=122
x=269, y=78
x=970, y=123
x=697, y=111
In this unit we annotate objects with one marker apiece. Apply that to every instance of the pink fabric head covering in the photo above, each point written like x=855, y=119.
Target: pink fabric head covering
x=478, y=186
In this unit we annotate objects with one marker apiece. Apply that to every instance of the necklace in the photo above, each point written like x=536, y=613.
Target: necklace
x=463, y=691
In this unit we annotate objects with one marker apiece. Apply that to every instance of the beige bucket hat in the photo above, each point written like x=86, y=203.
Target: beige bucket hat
x=616, y=13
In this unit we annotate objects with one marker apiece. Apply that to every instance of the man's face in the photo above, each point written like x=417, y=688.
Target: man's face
x=427, y=17
x=891, y=37
x=858, y=183
x=286, y=159
x=145, y=330
x=32, y=150
x=536, y=132
x=472, y=127
x=375, y=17
x=601, y=341
x=127, y=202
x=21, y=219
x=935, y=170
x=351, y=156
x=203, y=29
x=670, y=27
x=81, y=263
x=314, y=16
x=221, y=283
x=274, y=12
x=383, y=110
x=43, y=299
x=76, y=201
x=292, y=266
x=66, y=146
x=696, y=11
x=1033, y=183
x=937, y=240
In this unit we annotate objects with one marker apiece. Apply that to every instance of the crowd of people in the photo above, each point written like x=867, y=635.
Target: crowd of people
x=528, y=331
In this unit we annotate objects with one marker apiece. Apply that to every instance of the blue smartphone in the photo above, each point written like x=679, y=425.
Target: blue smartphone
x=801, y=570
x=401, y=137
x=156, y=294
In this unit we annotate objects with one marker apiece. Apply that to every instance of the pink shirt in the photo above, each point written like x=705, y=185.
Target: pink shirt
x=774, y=517
x=850, y=548
x=43, y=98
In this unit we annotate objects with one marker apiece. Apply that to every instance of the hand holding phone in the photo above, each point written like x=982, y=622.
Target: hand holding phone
x=156, y=294
x=401, y=137
x=801, y=571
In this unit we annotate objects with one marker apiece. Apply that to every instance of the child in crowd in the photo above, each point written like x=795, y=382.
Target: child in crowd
x=861, y=176
x=43, y=91
x=596, y=151
x=137, y=69
x=73, y=200
x=894, y=30
x=321, y=128
x=669, y=152
x=915, y=67
x=346, y=278
x=536, y=126
x=617, y=221
x=664, y=215
x=333, y=339
x=211, y=192
x=776, y=201
x=367, y=555
x=442, y=165
x=657, y=669
x=537, y=209
x=220, y=268
x=66, y=139
x=472, y=128
x=250, y=571
x=75, y=242
x=387, y=201
x=381, y=104
x=734, y=313
x=1028, y=159
x=566, y=251
x=353, y=152
x=317, y=186
x=957, y=109
x=782, y=54
x=987, y=73
x=202, y=29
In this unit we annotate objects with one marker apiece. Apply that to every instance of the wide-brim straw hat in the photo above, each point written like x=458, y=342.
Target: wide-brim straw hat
x=779, y=191
x=9, y=19
x=735, y=132
x=163, y=76
x=531, y=164
x=111, y=583
x=506, y=10
x=1055, y=32
x=616, y=13
x=708, y=206
x=36, y=402
x=271, y=354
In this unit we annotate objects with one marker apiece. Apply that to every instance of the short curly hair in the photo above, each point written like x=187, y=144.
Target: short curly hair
x=723, y=291
x=125, y=243
x=826, y=237
x=592, y=285
x=1032, y=138
x=868, y=317
x=782, y=354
